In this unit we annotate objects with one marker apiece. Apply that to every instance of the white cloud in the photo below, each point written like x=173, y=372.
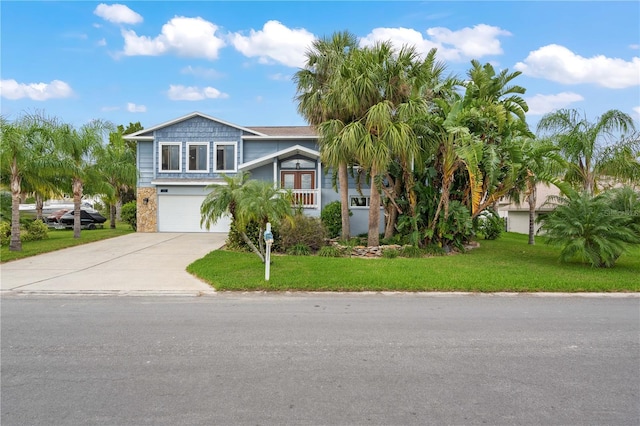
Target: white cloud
x=102, y=42
x=542, y=104
x=481, y=40
x=117, y=13
x=280, y=77
x=637, y=111
x=131, y=107
x=192, y=37
x=201, y=72
x=109, y=108
x=634, y=46
x=192, y=93
x=11, y=89
x=559, y=64
x=275, y=43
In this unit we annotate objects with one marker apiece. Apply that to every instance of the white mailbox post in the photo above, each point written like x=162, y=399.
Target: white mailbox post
x=268, y=239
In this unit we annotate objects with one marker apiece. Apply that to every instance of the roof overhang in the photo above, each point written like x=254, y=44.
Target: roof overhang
x=280, y=155
x=175, y=182
x=305, y=137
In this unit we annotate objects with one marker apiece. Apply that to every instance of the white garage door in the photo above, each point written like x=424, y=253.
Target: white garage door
x=181, y=213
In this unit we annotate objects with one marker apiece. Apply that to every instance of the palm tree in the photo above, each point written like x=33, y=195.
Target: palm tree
x=589, y=229
x=456, y=148
x=117, y=168
x=246, y=201
x=77, y=150
x=594, y=150
x=16, y=155
x=21, y=161
x=324, y=58
x=541, y=163
x=495, y=112
x=384, y=91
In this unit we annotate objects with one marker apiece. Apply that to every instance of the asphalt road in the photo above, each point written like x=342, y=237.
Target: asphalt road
x=320, y=360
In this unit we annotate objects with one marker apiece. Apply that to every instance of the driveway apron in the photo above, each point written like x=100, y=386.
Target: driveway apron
x=139, y=263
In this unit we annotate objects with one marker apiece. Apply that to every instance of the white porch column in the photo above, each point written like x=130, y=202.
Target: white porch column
x=275, y=172
x=318, y=184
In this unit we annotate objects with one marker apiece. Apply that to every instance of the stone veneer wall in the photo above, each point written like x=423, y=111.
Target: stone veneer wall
x=147, y=213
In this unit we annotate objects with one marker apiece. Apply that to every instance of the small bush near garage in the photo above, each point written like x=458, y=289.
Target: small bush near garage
x=305, y=230
x=129, y=214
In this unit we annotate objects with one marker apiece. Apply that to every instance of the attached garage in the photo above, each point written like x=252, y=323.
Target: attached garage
x=181, y=213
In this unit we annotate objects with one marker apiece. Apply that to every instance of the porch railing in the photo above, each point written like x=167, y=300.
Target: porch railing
x=307, y=198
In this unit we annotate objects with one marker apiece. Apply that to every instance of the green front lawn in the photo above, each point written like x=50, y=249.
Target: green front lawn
x=63, y=238
x=508, y=264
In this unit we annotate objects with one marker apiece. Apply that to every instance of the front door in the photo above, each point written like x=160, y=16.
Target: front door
x=301, y=182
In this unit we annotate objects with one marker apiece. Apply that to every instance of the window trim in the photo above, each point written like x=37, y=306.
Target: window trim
x=208, y=166
x=160, y=146
x=368, y=201
x=215, y=157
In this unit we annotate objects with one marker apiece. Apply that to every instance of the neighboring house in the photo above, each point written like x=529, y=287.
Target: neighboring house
x=517, y=215
x=178, y=159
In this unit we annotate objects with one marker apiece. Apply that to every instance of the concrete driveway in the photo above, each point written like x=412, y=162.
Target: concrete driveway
x=135, y=264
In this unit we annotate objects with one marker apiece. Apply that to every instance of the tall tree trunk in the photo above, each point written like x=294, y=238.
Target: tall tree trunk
x=392, y=217
x=531, y=198
x=343, y=180
x=119, y=207
x=392, y=209
x=39, y=206
x=77, y=198
x=112, y=216
x=252, y=246
x=15, y=244
x=374, y=212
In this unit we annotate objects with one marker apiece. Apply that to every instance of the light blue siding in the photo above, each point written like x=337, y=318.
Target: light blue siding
x=145, y=164
x=257, y=149
x=196, y=129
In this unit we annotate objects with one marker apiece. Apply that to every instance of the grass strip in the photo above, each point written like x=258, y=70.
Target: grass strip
x=508, y=264
x=62, y=238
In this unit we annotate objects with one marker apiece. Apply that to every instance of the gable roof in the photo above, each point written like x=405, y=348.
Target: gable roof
x=285, y=130
x=147, y=134
x=282, y=154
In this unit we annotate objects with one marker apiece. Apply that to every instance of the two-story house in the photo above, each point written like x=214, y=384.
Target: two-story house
x=178, y=159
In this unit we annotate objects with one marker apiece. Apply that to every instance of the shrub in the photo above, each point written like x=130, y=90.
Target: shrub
x=330, y=251
x=5, y=206
x=299, y=250
x=590, y=230
x=490, y=224
x=411, y=251
x=235, y=242
x=305, y=230
x=390, y=253
x=5, y=233
x=331, y=217
x=129, y=214
x=36, y=230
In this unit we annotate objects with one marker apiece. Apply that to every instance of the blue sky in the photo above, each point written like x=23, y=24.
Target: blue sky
x=156, y=61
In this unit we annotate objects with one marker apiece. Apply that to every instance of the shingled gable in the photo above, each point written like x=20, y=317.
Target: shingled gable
x=147, y=134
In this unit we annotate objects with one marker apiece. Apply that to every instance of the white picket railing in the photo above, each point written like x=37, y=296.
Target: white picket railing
x=307, y=198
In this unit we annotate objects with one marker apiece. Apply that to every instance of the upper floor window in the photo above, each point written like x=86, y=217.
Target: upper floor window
x=225, y=156
x=170, y=157
x=198, y=157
